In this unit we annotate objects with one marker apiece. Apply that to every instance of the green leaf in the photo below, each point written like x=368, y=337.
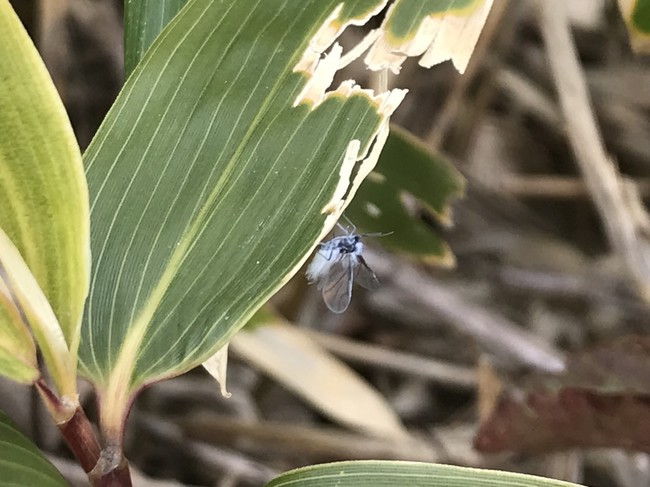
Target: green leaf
x=404, y=20
x=143, y=21
x=21, y=463
x=438, y=30
x=17, y=350
x=209, y=189
x=407, y=168
x=390, y=473
x=641, y=16
x=636, y=14
x=43, y=193
x=429, y=177
x=22, y=292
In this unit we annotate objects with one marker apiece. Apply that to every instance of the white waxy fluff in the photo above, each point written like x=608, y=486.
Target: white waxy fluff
x=317, y=267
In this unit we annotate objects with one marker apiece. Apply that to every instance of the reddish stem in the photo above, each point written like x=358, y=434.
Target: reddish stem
x=105, y=467
x=73, y=424
x=112, y=469
x=81, y=439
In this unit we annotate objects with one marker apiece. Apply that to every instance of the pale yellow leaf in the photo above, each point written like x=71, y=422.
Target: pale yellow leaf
x=23, y=288
x=289, y=356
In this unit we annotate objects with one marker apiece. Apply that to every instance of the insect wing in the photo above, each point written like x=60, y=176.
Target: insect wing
x=364, y=275
x=337, y=285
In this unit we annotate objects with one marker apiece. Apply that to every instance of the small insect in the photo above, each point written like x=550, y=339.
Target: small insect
x=337, y=264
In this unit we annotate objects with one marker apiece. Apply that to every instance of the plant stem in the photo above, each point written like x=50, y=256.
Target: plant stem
x=105, y=467
x=81, y=439
x=112, y=469
x=73, y=425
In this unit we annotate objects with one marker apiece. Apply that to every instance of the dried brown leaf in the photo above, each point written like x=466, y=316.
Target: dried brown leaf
x=603, y=400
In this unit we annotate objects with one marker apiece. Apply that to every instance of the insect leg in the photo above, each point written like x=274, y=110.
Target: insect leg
x=332, y=249
x=326, y=250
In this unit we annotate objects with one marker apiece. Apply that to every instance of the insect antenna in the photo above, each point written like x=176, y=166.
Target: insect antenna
x=376, y=234
x=353, y=229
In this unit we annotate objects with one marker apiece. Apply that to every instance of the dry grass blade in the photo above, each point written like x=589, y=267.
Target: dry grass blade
x=496, y=333
x=290, y=356
x=601, y=175
x=300, y=440
x=424, y=367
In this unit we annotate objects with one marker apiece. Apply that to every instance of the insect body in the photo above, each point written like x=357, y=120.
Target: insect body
x=336, y=265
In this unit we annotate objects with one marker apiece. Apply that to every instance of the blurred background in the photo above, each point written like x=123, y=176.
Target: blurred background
x=522, y=346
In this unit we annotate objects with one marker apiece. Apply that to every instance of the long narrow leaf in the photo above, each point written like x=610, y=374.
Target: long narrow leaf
x=43, y=194
x=378, y=205
x=209, y=188
x=391, y=473
x=322, y=380
x=43, y=197
x=17, y=349
x=22, y=292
